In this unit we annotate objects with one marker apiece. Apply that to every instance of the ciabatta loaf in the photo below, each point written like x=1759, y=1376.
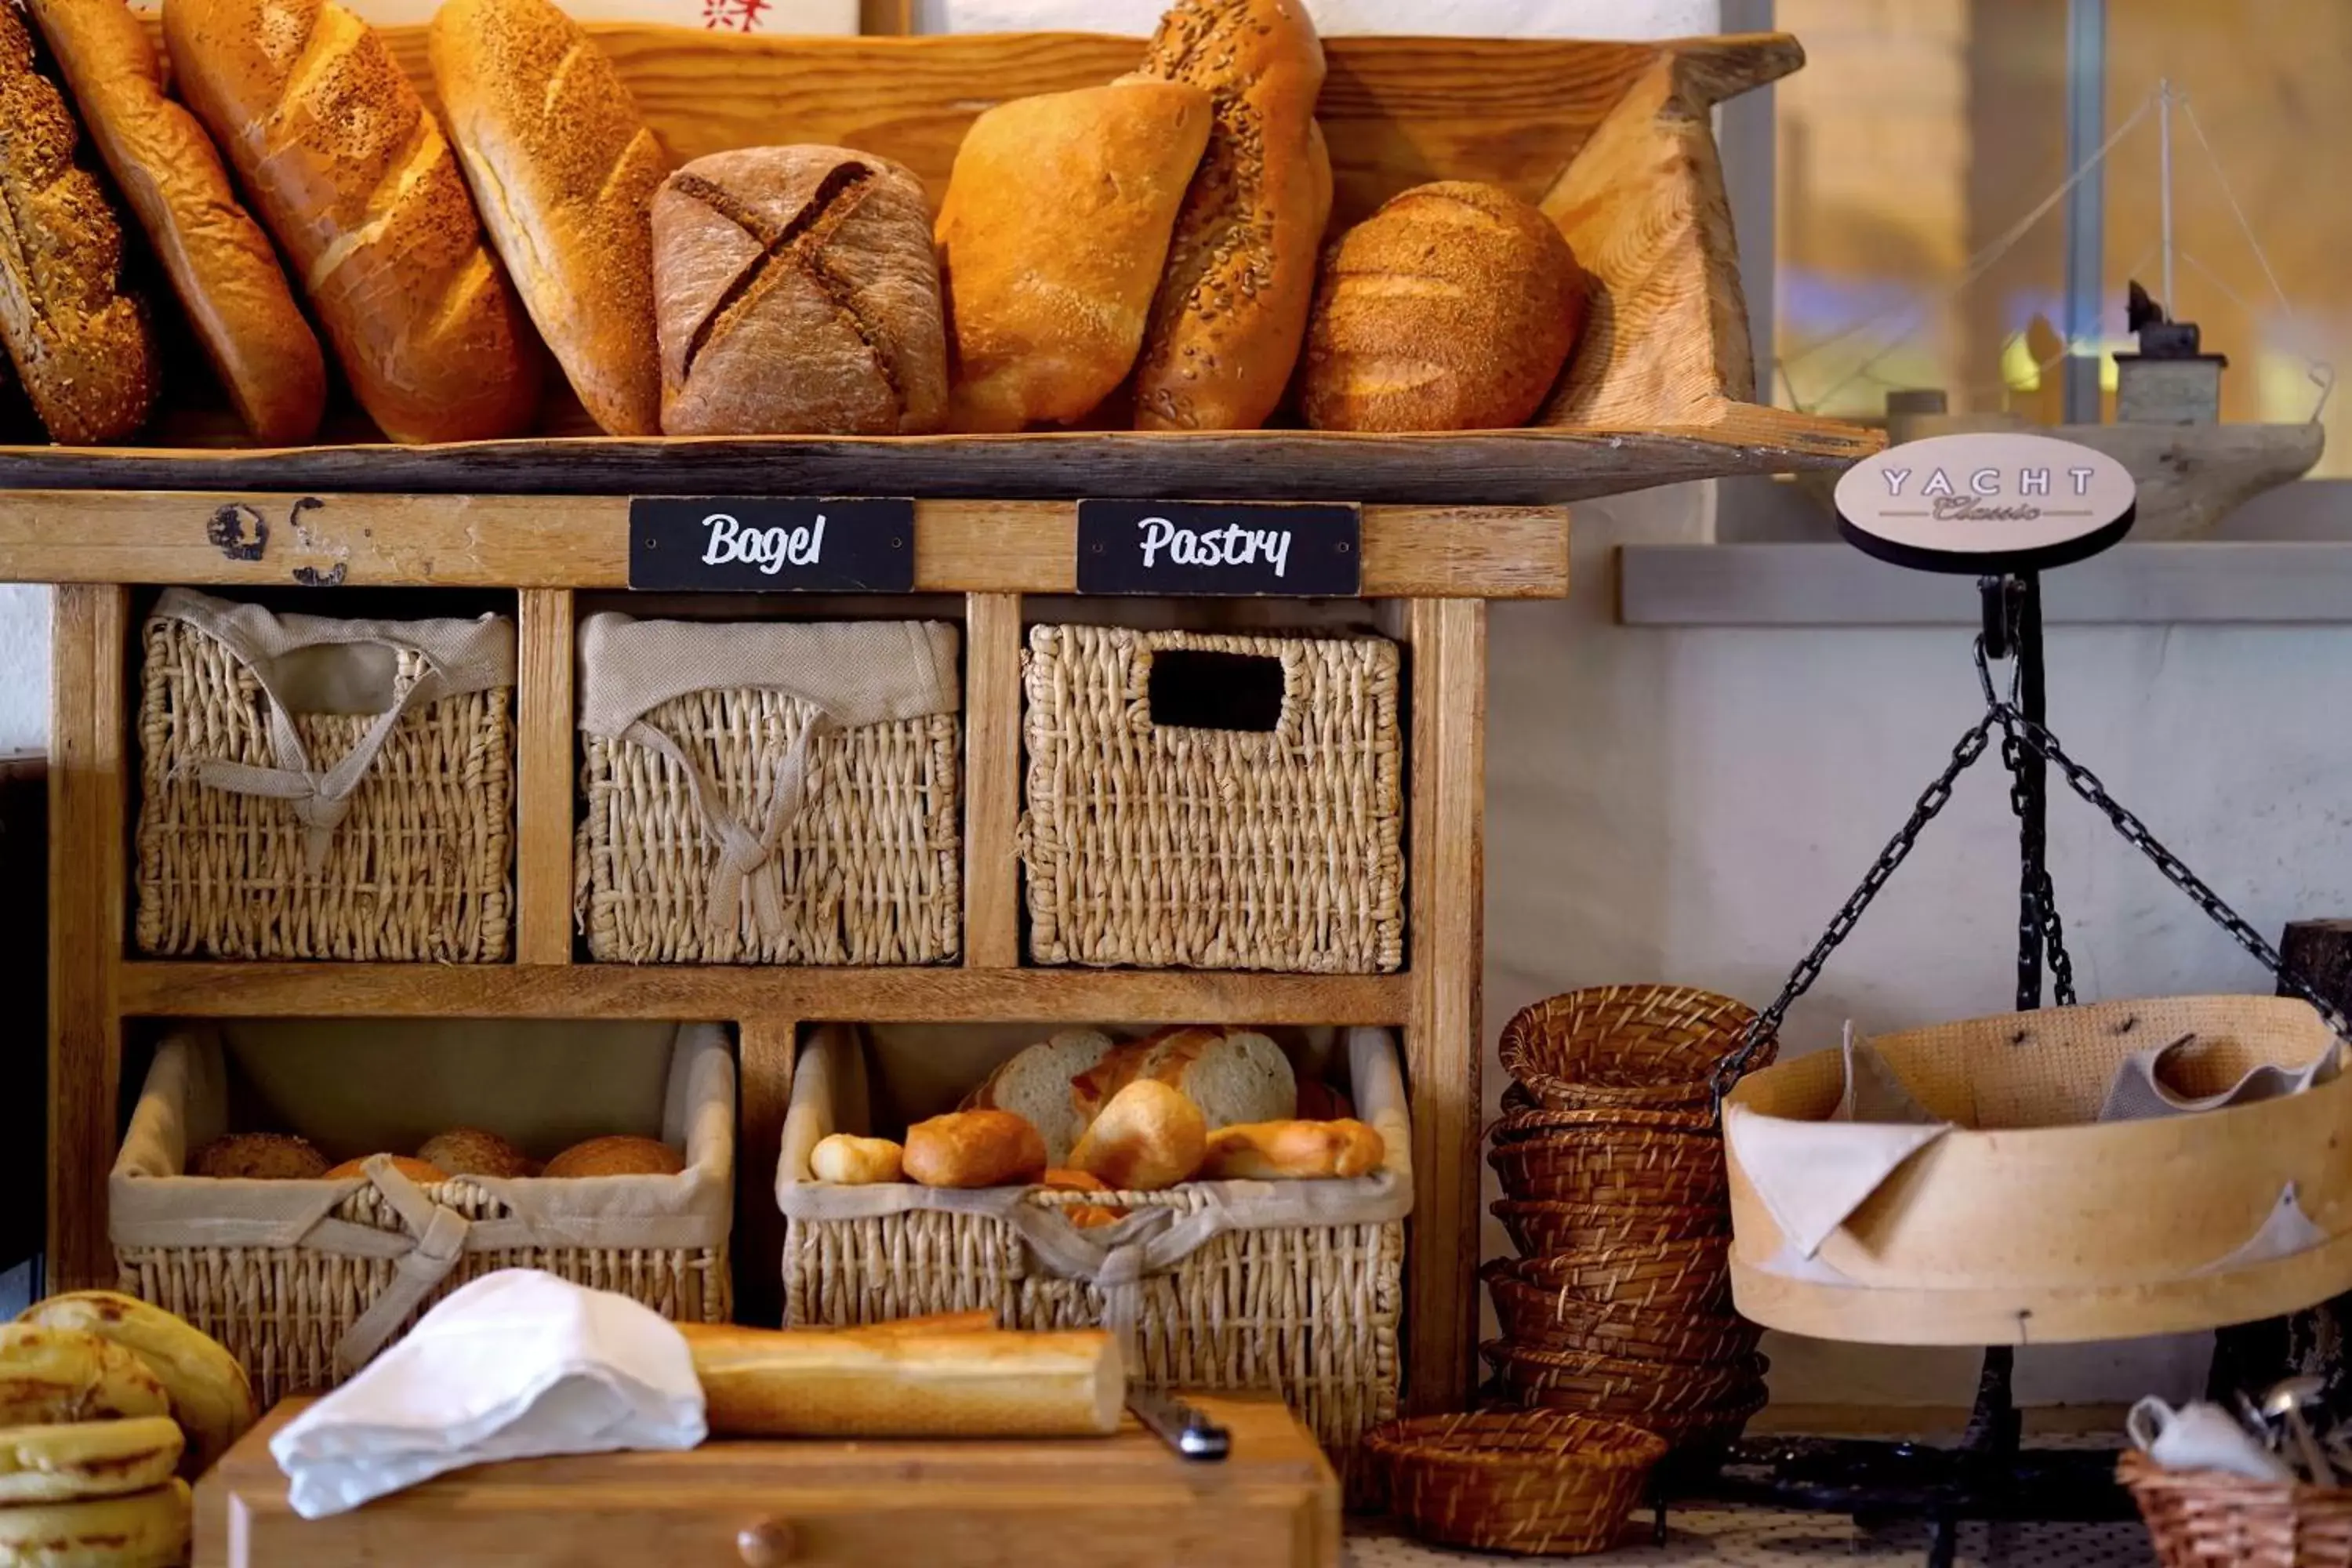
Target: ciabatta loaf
x=354, y=180
x=219, y=262
x=563, y=169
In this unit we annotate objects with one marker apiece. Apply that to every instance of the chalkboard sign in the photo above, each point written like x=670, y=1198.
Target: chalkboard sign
x=1245, y=548
x=771, y=545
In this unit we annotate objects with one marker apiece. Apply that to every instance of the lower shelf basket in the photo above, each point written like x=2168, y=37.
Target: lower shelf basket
x=305, y=1280
x=1292, y=1286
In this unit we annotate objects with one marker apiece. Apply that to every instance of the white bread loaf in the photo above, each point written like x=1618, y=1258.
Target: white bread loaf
x=1061, y=1085
x=1035, y=1084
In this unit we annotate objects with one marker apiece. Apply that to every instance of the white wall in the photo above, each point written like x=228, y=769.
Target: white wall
x=24, y=667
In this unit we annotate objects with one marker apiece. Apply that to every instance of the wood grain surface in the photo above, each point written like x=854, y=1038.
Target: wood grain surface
x=992, y=781
x=546, y=728
x=984, y=1503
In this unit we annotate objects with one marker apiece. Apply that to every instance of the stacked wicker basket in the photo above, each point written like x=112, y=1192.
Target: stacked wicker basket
x=1614, y=1192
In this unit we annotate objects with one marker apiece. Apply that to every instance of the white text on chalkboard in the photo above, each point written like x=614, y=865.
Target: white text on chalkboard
x=769, y=549
x=1231, y=545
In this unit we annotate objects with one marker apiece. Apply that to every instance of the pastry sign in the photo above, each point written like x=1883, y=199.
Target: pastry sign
x=1986, y=503
x=771, y=545
x=1221, y=548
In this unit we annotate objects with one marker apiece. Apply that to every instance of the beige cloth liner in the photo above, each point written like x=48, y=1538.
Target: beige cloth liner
x=853, y=672
x=185, y=1105
x=318, y=664
x=830, y=1095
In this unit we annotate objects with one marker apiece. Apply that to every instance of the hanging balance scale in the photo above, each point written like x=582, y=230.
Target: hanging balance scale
x=1982, y=1184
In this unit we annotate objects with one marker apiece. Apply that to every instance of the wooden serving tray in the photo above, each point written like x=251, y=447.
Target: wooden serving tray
x=1066, y=1503
x=1613, y=139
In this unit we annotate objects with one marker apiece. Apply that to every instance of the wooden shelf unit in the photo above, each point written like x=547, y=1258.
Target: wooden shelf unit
x=1429, y=570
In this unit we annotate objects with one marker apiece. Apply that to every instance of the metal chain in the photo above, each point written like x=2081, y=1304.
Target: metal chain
x=2040, y=902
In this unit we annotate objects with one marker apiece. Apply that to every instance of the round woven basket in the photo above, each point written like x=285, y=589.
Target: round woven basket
x=1545, y=1229
x=2201, y=1518
x=1547, y=1481
x=1616, y=1165
x=1652, y=1047
x=1691, y=1276
x=1538, y=1319
x=1623, y=1386
x=1523, y=1118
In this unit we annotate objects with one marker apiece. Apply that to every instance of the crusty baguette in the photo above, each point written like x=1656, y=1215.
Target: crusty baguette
x=211, y=1398
x=1231, y=305
x=1149, y=1137
x=1293, y=1150
x=354, y=180
x=907, y=1380
x=563, y=169
x=1051, y=240
x=975, y=1149
x=81, y=345
x=219, y=262
x=68, y=1460
x=142, y=1530
x=857, y=1161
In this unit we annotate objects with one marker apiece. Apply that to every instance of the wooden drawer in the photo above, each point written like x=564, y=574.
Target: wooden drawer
x=1117, y=1502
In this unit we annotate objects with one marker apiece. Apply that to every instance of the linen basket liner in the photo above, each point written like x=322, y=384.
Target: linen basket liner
x=183, y=1105
x=1164, y=1228
x=458, y=657
x=854, y=673
x=1812, y=1175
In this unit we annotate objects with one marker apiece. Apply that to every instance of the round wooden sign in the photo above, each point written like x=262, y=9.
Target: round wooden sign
x=1986, y=503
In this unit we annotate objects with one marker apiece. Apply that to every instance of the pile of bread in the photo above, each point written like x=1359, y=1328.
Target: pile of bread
x=107, y=1405
x=1144, y=253
x=1079, y=1112
x=461, y=1152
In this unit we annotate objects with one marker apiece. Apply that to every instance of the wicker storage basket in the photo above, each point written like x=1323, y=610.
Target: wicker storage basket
x=1546, y=1229
x=1540, y=1319
x=1295, y=1287
x=2205, y=1519
x=1686, y=1406
x=771, y=793
x=305, y=1280
x=1652, y=1047
x=1164, y=842
x=1521, y=1121
x=314, y=788
x=1660, y=1275
x=1615, y=1165
x=1534, y=1481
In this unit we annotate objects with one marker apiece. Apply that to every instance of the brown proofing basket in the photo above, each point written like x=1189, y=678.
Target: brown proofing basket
x=1549, y=1229
x=1686, y=1406
x=1538, y=1319
x=2205, y=1519
x=1523, y=1120
x=1630, y=1166
x=283, y=1308
x=1533, y=1481
x=415, y=870
x=1688, y=1277
x=869, y=870
x=1651, y=1047
x=1309, y=1311
x=1163, y=845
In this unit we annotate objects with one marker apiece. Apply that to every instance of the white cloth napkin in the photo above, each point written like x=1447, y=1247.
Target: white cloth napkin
x=515, y=1365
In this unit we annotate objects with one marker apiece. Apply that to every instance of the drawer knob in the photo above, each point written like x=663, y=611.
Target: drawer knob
x=767, y=1544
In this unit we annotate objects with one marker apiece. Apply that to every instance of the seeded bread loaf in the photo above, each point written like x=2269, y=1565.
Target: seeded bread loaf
x=1231, y=305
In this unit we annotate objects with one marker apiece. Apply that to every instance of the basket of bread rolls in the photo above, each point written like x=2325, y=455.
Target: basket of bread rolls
x=1238, y=1223
x=509, y=225
x=305, y=1259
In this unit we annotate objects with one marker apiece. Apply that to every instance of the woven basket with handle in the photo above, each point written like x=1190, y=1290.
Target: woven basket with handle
x=2203, y=1518
x=1547, y=1481
x=1651, y=1047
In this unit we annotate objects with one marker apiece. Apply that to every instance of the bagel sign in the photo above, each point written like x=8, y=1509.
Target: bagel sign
x=771, y=545
x=1986, y=503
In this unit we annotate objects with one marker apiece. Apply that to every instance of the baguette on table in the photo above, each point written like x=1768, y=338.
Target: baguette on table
x=942, y=1377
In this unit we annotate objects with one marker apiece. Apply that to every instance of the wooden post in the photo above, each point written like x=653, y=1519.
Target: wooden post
x=546, y=780
x=991, y=784
x=89, y=880
x=763, y=1092
x=1443, y=1046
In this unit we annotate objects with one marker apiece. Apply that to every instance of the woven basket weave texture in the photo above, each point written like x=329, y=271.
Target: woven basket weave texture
x=2205, y=1519
x=1528, y=1481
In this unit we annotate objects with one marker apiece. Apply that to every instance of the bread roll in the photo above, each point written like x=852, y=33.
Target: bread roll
x=219, y=262
x=87, y=1459
x=1283, y=1151
x=563, y=169
x=797, y=293
x=1149, y=1137
x=1232, y=305
x=416, y=1169
x=975, y=1149
x=354, y=181
x=210, y=1396
x=471, y=1151
x=1068, y=1181
x=1052, y=238
x=857, y=1161
x=143, y=1530
x=897, y=1382
x=70, y=1374
x=258, y=1156
x=620, y=1155
x=80, y=344
x=1452, y=308
x=1062, y=1084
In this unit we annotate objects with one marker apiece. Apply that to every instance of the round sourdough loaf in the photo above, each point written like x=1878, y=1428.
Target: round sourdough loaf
x=416, y=1169
x=619, y=1155
x=471, y=1152
x=258, y=1156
